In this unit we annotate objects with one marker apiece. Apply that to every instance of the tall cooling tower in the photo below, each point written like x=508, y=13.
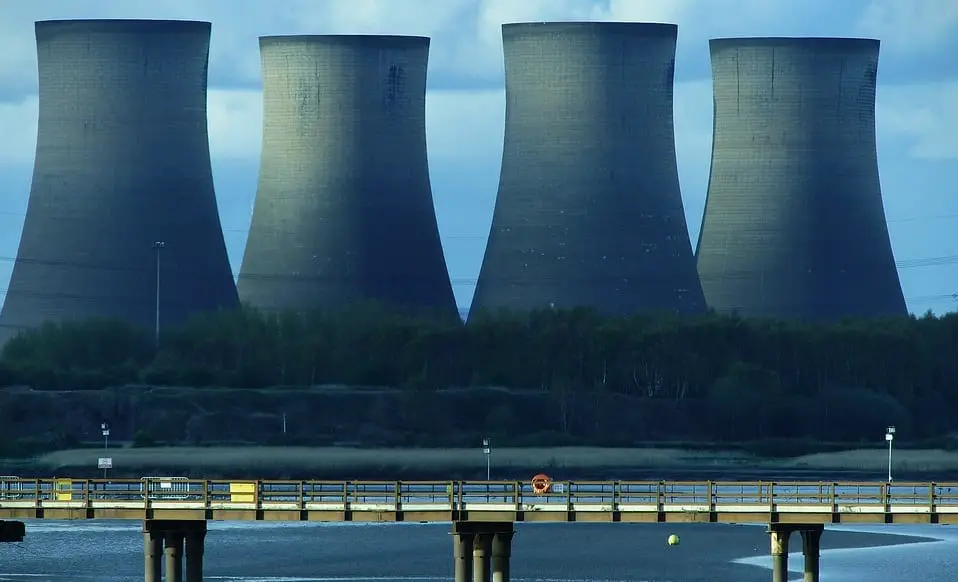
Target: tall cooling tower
x=794, y=225
x=122, y=163
x=344, y=209
x=589, y=211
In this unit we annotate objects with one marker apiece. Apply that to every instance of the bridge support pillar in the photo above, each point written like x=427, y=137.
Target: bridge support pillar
x=194, y=555
x=482, y=550
x=481, y=554
x=780, y=536
x=153, y=556
x=168, y=538
x=173, y=550
x=501, y=554
x=462, y=556
x=12, y=531
x=812, y=550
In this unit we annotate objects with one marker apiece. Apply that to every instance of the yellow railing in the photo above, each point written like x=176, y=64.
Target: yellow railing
x=475, y=495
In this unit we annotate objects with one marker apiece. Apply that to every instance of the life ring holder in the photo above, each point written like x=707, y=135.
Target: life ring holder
x=541, y=484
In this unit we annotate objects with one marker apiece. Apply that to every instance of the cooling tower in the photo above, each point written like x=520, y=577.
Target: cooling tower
x=589, y=211
x=794, y=225
x=344, y=209
x=122, y=163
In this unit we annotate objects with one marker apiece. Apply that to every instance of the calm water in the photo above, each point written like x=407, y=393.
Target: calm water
x=297, y=552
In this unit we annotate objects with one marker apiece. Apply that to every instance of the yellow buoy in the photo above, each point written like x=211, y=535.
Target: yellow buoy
x=673, y=540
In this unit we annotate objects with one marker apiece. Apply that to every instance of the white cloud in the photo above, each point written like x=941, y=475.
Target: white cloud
x=924, y=116
x=464, y=125
x=235, y=124
x=905, y=26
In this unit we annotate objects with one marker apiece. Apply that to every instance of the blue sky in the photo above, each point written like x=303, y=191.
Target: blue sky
x=917, y=104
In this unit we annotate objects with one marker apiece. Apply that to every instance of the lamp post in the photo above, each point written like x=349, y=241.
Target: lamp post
x=158, y=246
x=889, y=436
x=487, y=451
x=105, y=430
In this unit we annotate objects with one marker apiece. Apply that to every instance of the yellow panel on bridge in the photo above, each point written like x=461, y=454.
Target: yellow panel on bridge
x=243, y=492
x=63, y=489
x=761, y=502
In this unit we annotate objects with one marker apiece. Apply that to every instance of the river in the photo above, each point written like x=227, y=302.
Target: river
x=304, y=552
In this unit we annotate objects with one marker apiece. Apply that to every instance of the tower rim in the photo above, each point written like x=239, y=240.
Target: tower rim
x=344, y=39
x=160, y=24
x=791, y=41
x=548, y=27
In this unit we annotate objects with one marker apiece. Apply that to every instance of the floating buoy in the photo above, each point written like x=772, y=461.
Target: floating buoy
x=673, y=540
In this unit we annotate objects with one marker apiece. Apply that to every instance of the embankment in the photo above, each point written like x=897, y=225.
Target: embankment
x=506, y=463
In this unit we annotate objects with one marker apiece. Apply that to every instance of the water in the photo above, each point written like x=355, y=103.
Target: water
x=303, y=552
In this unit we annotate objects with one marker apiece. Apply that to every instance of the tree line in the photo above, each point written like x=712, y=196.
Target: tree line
x=659, y=376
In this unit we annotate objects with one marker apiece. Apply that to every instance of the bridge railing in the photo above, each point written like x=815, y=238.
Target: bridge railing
x=497, y=495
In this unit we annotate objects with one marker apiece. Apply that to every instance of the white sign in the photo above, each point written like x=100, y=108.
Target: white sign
x=104, y=463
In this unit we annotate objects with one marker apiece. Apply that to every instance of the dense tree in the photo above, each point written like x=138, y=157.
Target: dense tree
x=646, y=377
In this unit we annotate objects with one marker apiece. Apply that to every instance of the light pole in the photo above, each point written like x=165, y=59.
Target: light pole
x=158, y=246
x=105, y=429
x=487, y=451
x=889, y=436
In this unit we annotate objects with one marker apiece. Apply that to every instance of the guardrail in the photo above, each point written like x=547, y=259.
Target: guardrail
x=607, y=496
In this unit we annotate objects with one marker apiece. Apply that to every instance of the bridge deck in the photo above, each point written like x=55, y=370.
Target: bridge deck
x=619, y=501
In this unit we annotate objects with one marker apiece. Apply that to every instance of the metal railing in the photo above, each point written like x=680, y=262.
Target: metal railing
x=608, y=496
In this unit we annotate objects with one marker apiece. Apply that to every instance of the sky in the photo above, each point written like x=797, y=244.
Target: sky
x=917, y=110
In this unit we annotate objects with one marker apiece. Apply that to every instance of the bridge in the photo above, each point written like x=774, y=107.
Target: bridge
x=175, y=511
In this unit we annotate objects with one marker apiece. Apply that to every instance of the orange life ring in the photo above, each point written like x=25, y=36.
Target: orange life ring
x=541, y=484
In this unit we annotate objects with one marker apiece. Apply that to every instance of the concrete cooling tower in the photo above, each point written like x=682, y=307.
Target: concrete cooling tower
x=344, y=209
x=589, y=211
x=794, y=225
x=122, y=163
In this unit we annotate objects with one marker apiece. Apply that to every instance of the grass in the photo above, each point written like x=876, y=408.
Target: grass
x=347, y=458
x=877, y=459
x=344, y=459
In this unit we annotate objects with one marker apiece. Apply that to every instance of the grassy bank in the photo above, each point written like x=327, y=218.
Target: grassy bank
x=347, y=459
x=342, y=462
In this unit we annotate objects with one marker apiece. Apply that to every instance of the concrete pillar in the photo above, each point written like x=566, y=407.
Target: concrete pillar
x=812, y=549
x=501, y=552
x=779, y=553
x=481, y=550
x=194, y=555
x=462, y=556
x=153, y=557
x=174, y=556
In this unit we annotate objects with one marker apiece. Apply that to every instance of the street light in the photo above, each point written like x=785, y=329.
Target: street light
x=487, y=451
x=105, y=429
x=889, y=436
x=158, y=246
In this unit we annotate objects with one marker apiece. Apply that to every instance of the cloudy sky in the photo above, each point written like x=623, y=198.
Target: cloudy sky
x=917, y=104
